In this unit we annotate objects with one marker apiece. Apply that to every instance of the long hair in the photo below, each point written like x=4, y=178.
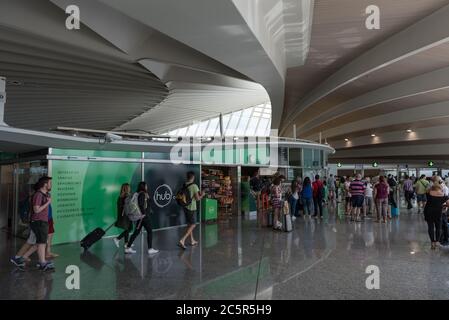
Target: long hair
x=306, y=181
x=142, y=187
x=125, y=190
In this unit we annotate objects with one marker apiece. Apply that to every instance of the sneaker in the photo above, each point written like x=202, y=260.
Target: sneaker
x=46, y=266
x=18, y=262
x=152, y=251
x=293, y=218
x=129, y=250
x=116, y=242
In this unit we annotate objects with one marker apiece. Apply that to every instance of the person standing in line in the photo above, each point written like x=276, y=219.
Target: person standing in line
x=276, y=202
x=299, y=204
x=325, y=192
x=256, y=187
x=391, y=196
x=307, y=196
x=40, y=203
x=444, y=227
x=408, y=191
x=368, y=207
x=433, y=211
x=144, y=221
x=293, y=200
x=347, y=193
x=421, y=187
x=317, y=187
x=357, y=188
x=190, y=210
x=332, y=188
x=381, y=191
x=123, y=221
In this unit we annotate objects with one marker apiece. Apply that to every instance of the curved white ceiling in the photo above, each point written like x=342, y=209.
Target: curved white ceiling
x=60, y=78
x=371, y=86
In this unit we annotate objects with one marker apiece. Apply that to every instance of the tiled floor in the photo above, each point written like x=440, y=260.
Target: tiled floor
x=240, y=260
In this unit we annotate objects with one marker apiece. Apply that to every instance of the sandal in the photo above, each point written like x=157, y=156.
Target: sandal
x=181, y=245
x=193, y=244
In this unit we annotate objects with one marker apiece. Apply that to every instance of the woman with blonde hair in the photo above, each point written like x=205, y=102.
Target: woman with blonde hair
x=123, y=221
x=433, y=211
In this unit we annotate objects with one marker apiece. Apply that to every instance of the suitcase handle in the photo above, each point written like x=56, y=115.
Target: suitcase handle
x=107, y=229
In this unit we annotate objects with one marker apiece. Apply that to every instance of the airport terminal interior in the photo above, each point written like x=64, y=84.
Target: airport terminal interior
x=224, y=149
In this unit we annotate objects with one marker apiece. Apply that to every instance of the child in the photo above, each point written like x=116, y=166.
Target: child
x=325, y=192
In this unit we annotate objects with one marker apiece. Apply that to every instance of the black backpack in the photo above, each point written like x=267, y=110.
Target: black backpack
x=183, y=197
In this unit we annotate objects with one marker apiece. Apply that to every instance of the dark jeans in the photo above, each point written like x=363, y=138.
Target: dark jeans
x=408, y=197
x=125, y=234
x=444, y=233
x=144, y=223
x=318, y=204
x=434, y=228
x=307, y=204
x=293, y=206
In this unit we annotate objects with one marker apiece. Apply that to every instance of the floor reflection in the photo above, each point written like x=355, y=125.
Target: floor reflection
x=244, y=259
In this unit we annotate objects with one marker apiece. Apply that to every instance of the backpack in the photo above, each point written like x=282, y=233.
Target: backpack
x=26, y=210
x=131, y=207
x=183, y=197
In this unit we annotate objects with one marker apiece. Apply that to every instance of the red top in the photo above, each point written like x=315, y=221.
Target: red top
x=317, y=185
x=39, y=199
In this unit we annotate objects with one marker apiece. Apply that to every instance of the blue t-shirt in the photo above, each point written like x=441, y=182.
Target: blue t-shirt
x=307, y=192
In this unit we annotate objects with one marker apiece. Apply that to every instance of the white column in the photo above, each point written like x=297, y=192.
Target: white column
x=2, y=100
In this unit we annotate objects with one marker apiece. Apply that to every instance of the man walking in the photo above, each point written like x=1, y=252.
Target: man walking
x=190, y=210
x=408, y=191
x=421, y=187
x=39, y=225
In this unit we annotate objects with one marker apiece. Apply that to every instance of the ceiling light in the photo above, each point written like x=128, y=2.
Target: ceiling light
x=373, y=135
x=346, y=139
x=409, y=130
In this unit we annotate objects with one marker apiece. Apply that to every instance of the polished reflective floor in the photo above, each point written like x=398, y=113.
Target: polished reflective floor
x=320, y=259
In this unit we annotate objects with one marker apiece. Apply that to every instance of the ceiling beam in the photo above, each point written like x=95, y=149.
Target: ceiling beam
x=429, y=32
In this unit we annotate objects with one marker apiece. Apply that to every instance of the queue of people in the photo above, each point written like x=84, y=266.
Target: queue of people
x=363, y=197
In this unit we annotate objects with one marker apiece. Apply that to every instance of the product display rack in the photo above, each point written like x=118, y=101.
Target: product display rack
x=218, y=185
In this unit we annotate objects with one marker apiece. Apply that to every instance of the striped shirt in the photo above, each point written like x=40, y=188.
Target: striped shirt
x=408, y=185
x=357, y=188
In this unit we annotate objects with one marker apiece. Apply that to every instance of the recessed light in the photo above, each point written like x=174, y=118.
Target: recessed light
x=346, y=139
x=409, y=130
x=373, y=135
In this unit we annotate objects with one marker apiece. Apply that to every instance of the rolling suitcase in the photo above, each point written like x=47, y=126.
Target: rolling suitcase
x=93, y=237
x=287, y=224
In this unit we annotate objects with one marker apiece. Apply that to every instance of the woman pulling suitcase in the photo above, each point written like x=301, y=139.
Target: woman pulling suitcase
x=123, y=221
